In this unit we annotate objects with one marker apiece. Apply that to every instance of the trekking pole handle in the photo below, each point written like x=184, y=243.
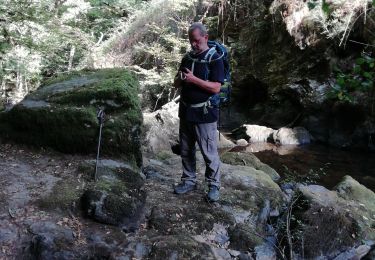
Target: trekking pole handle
x=100, y=115
x=182, y=75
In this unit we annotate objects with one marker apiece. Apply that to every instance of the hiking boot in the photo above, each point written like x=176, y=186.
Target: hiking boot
x=213, y=194
x=184, y=187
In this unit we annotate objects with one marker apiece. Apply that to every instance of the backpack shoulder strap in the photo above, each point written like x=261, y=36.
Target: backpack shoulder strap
x=210, y=54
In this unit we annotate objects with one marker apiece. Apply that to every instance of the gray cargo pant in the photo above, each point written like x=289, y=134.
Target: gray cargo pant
x=206, y=136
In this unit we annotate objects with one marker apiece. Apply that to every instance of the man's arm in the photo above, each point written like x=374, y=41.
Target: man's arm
x=209, y=86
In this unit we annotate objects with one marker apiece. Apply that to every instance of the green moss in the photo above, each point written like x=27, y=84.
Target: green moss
x=119, y=88
x=194, y=219
x=120, y=207
x=69, y=122
x=244, y=237
x=248, y=188
x=110, y=186
x=164, y=155
x=249, y=159
x=242, y=198
x=351, y=189
x=64, y=195
x=63, y=77
x=180, y=247
x=67, y=129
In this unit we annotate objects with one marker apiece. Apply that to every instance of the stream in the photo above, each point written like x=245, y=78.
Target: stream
x=331, y=164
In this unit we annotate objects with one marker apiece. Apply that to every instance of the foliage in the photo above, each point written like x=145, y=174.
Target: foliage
x=290, y=228
x=351, y=85
x=37, y=40
x=104, y=16
x=151, y=44
x=313, y=20
x=312, y=177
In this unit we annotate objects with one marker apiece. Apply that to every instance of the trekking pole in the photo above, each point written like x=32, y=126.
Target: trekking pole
x=218, y=126
x=100, y=117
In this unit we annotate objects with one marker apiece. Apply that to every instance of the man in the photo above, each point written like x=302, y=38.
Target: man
x=200, y=82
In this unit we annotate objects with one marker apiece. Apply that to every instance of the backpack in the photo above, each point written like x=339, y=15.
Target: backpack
x=222, y=98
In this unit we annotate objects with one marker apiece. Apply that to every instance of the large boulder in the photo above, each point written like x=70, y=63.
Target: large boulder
x=115, y=197
x=335, y=223
x=161, y=130
x=249, y=159
x=351, y=189
x=62, y=114
x=249, y=189
x=254, y=133
x=292, y=136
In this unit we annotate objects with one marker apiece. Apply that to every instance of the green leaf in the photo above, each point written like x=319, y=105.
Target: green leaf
x=357, y=69
x=326, y=9
x=366, y=84
x=360, y=61
x=311, y=5
x=340, y=81
x=368, y=75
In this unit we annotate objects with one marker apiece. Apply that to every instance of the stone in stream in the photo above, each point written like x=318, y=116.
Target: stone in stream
x=242, y=142
x=292, y=136
x=254, y=133
x=335, y=221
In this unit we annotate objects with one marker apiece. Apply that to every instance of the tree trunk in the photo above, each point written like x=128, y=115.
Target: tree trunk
x=71, y=56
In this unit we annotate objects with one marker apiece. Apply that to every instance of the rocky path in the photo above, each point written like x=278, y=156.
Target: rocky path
x=26, y=177
x=31, y=228
x=43, y=217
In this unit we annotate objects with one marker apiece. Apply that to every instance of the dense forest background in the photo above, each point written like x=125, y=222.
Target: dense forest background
x=40, y=39
x=287, y=56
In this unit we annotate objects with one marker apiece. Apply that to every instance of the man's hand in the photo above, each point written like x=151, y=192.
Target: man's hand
x=189, y=76
x=209, y=86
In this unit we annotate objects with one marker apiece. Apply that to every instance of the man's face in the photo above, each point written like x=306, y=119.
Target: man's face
x=197, y=41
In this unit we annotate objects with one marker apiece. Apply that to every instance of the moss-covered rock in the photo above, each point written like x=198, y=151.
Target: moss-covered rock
x=244, y=237
x=249, y=159
x=65, y=195
x=62, y=114
x=351, y=189
x=119, y=206
x=115, y=198
x=197, y=218
x=332, y=223
x=180, y=247
x=108, y=170
x=248, y=188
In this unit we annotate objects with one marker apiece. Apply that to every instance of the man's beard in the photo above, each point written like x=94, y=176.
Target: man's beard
x=196, y=51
